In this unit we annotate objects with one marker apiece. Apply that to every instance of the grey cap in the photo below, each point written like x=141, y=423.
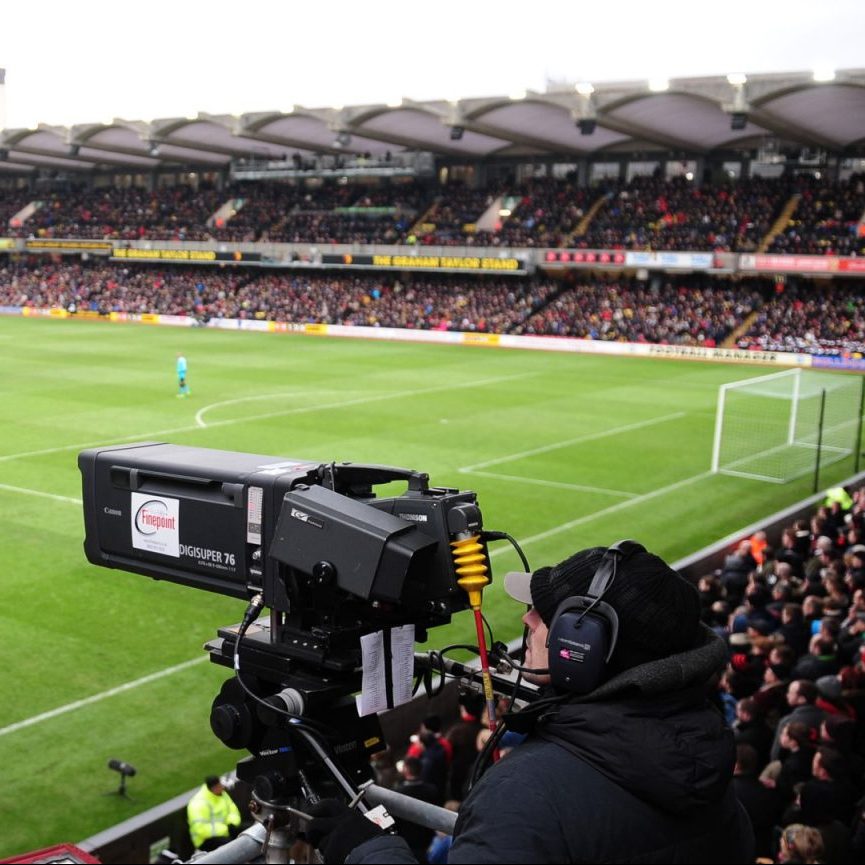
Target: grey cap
x=518, y=584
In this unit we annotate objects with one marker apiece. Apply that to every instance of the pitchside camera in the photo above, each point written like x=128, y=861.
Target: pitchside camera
x=332, y=560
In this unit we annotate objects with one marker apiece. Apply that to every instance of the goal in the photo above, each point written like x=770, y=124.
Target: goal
x=775, y=427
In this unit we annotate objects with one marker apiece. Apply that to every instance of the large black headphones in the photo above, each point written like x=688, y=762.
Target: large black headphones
x=584, y=630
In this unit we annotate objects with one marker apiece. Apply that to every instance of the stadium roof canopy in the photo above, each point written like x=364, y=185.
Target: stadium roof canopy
x=688, y=117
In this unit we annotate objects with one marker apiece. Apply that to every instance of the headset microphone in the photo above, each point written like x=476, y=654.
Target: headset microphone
x=499, y=652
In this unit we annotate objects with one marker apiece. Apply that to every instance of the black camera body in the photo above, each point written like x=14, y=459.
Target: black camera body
x=332, y=560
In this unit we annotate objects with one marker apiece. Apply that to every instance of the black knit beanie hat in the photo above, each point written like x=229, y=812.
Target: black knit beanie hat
x=658, y=610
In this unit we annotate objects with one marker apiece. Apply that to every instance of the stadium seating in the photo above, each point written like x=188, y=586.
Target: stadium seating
x=645, y=213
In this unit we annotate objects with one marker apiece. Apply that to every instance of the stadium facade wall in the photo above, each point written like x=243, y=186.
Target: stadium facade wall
x=452, y=259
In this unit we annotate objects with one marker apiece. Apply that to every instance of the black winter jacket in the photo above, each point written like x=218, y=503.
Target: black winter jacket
x=638, y=771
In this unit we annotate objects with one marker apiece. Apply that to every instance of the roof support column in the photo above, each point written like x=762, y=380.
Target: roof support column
x=583, y=173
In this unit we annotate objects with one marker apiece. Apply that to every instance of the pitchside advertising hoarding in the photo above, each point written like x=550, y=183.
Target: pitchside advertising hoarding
x=856, y=364
x=537, y=343
x=802, y=264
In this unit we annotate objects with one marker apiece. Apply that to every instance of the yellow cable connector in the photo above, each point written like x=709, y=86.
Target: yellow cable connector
x=471, y=567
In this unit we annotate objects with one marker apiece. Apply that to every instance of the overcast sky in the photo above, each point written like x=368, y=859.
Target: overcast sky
x=81, y=61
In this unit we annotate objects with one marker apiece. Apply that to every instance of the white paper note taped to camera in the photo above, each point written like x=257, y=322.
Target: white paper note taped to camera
x=373, y=696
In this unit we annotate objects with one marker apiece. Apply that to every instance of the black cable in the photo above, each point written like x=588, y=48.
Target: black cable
x=437, y=665
x=485, y=756
x=252, y=612
x=504, y=536
x=464, y=646
x=315, y=733
x=520, y=671
x=490, y=639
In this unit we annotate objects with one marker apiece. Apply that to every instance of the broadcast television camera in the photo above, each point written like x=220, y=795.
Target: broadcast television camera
x=331, y=560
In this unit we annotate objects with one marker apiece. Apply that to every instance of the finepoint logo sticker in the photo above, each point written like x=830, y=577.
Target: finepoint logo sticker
x=153, y=516
x=155, y=524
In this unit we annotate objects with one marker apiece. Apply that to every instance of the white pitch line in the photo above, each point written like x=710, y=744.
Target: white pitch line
x=557, y=484
x=578, y=440
x=96, y=698
x=199, y=415
x=56, y=498
x=248, y=418
x=612, y=509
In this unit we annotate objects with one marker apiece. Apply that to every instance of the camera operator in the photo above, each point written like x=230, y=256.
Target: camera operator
x=636, y=765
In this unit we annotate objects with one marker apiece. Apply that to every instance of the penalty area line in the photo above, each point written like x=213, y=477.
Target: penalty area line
x=97, y=698
x=24, y=491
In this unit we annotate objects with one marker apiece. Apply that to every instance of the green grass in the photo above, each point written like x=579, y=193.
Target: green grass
x=586, y=450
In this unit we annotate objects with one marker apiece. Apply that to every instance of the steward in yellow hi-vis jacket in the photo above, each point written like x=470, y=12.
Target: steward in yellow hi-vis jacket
x=213, y=816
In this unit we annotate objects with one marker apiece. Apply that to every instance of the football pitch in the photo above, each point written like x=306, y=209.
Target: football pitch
x=564, y=451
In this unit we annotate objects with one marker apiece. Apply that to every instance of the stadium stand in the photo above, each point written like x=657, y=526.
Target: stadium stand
x=825, y=220
x=647, y=213
x=812, y=318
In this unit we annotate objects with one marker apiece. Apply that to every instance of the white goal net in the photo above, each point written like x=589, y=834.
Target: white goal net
x=769, y=427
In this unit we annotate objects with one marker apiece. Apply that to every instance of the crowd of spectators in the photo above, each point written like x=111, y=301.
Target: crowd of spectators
x=428, y=303
x=452, y=220
x=810, y=317
x=647, y=213
x=11, y=203
x=677, y=214
x=195, y=291
x=792, y=610
x=241, y=212
x=331, y=213
x=680, y=311
x=683, y=310
x=547, y=214
x=826, y=220
x=123, y=213
x=490, y=305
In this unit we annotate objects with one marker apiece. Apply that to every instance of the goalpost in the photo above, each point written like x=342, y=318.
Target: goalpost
x=773, y=427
